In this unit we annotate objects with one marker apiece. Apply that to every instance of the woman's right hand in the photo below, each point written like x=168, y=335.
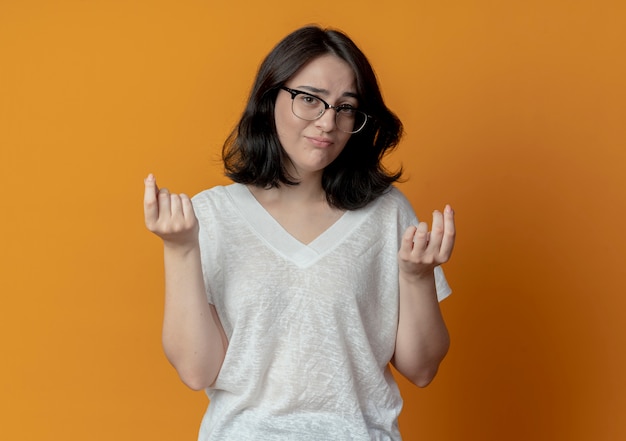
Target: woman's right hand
x=193, y=338
x=170, y=216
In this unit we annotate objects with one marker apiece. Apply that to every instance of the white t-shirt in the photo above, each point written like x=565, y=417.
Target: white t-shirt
x=311, y=328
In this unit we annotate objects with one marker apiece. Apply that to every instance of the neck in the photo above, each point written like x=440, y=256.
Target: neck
x=308, y=190
x=304, y=191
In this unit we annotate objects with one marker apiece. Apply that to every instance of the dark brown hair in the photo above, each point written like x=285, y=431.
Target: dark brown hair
x=252, y=154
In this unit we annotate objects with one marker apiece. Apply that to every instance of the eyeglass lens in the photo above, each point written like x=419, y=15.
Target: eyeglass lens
x=310, y=108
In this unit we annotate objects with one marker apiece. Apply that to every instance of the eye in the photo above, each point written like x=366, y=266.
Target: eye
x=346, y=110
x=308, y=100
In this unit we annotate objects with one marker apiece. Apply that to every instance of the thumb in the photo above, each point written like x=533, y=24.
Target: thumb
x=150, y=201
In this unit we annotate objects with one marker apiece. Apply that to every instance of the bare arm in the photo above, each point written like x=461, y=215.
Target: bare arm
x=422, y=340
x=193, y=338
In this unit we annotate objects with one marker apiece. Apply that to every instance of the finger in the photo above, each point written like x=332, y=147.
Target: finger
x=187, y=207
x=407, y=240
x=421, y=238
x=436, y=233
x=150, y=205
x=449, y=236
x=176, y=206
x=165, y=209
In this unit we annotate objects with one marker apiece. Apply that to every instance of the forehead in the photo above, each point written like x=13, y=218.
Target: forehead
x=328, y=74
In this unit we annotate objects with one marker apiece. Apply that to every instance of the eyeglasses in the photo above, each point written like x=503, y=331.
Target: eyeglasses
x=310, y=107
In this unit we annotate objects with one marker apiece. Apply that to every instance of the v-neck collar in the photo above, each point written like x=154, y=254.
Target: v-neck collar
x=279, y=239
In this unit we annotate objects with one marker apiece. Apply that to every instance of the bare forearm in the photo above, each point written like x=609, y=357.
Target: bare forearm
x=422, y=340
x=193, y=339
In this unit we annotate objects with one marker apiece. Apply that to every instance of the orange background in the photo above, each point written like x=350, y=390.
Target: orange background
x=514, y=113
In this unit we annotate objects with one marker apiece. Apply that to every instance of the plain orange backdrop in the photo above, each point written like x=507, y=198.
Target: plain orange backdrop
x=514, y=113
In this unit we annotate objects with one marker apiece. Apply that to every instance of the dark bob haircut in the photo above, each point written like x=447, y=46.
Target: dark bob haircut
x=253, y=155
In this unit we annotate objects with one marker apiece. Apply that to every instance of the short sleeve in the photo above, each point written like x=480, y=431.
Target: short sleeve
x=443, y=289
x=201, y=208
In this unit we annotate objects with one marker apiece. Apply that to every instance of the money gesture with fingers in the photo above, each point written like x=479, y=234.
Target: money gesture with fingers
x=169, y=216
x=422, y=250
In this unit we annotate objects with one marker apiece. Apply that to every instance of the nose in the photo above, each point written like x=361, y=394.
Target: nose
x=327, y=122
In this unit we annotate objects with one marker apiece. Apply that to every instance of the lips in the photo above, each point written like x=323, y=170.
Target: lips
x=320, y=141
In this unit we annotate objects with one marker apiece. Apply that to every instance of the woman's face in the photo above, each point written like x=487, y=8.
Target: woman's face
x=313, y=145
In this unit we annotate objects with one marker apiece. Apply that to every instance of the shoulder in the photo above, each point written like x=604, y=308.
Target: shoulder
x=208, y=194
x=215, y=212
x=212, y=198
x=394, y=201
x=395, y=196
x=393, y=208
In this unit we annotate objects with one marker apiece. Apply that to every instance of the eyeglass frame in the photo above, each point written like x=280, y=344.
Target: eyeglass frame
x=294, y=93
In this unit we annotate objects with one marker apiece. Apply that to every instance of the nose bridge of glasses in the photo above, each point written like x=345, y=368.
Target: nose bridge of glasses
x=344, y=122
x=336, y=110
x=325, y=117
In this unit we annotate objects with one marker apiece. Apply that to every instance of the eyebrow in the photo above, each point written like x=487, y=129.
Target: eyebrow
x=326, y=92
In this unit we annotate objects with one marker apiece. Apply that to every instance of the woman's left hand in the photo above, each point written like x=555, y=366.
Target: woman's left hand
x=421, y=251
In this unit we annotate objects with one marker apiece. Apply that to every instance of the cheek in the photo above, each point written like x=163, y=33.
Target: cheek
x=282, y=128
x=284, y=120
x=282, y=111
x=279, y=120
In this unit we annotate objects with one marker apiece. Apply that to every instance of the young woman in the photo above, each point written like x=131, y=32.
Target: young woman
x=290, y=291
